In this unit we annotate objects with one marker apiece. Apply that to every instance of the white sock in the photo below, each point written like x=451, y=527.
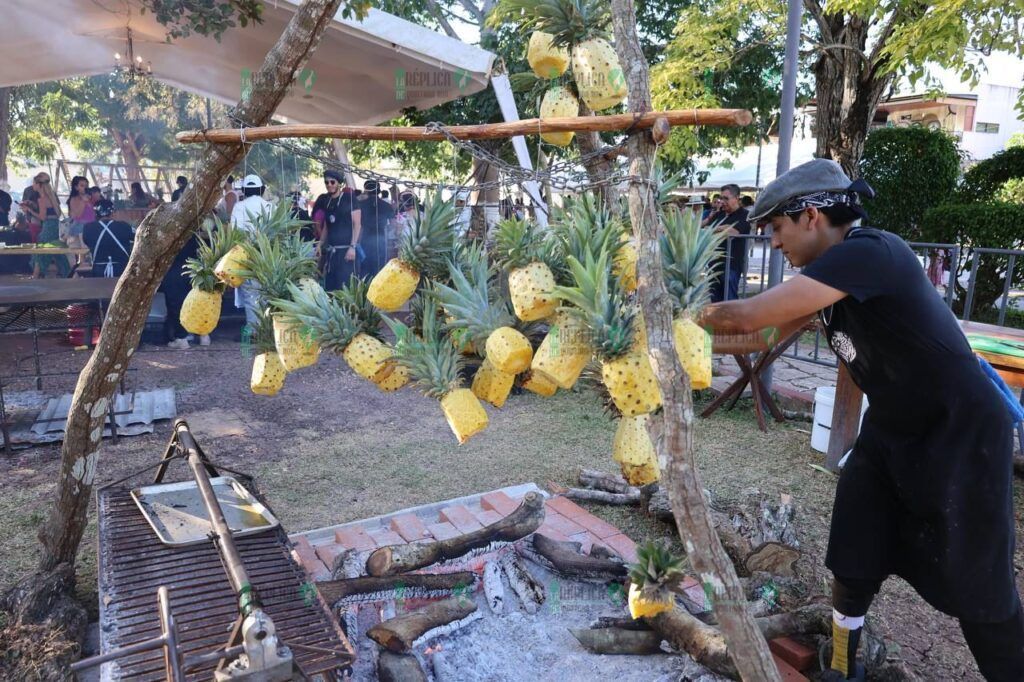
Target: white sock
x=848, y=622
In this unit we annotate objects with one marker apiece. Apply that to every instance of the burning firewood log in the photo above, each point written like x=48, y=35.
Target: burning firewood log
x=530, y=592
x=494, y=590
x=398, y=634
x=619, y=641
x=567, y=560
x=392, y=667
x=334, y=590
x=526, y=518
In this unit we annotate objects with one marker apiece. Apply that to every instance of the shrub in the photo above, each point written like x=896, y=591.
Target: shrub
x=911, y=170
x=986, y=179
x=996, y=225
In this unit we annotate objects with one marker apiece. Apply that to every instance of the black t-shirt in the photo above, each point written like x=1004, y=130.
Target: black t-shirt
x=337, y=217
x=737, y=247
x=108, y=247
x=375, y=215
x=177, y=193
x=5, y=208
x=893, y=331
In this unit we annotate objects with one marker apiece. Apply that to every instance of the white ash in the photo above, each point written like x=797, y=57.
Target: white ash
x=493, y=588
x=426, y=638
x=385, y=595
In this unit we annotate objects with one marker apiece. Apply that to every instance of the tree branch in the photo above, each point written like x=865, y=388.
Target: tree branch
x=817, y=12
x=435, y=9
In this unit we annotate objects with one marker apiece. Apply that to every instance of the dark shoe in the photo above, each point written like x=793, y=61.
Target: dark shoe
x=836, y=676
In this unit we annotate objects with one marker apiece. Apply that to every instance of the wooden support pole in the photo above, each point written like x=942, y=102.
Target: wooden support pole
x=488, y=131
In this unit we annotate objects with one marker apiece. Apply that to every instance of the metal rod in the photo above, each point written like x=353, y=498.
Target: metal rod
x=197, y=660
x=1006, y=289
x=970, y=285
x=233, y=564
x=172, y=659
x=130, y=650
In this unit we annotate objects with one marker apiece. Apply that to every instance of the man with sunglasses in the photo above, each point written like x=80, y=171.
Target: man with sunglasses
x=337, y=219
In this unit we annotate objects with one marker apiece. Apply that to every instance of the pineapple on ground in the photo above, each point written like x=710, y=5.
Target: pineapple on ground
x=434, y=365
x=687, y=251
x=200, y=311
x=520, y=249
x=546, y=60
x=558, y=102
x=633, y=450
x=424, y=250
x=650, y=578
x=600, y=304
x=268, y=373
x=333, y=326
x=474, y=305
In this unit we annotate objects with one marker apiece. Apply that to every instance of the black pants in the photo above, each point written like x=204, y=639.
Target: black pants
x=175, y=290
x=998, y=648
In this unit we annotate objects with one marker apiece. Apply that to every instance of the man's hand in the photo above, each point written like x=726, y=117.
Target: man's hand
x=350, y=255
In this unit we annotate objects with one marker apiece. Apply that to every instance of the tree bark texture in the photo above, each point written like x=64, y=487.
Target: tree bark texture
x=5, y=130
x=849, y=84
x=749, y=649
x=598, y=167
x=160, y=236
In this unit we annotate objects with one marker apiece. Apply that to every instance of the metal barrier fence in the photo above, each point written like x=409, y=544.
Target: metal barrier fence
x=972, y=283
x=753, y=280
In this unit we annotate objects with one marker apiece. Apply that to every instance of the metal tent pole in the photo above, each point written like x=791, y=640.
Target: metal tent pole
x=788, y=109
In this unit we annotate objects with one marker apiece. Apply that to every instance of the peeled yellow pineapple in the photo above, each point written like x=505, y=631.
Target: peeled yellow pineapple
x=693, y=345
x=296, y=346
x=267, y=374
x=465, y=414
x=598, y=76
x=563, y=353
x=393, y=285
x=508, y=350
x=625, y=264
x=229, y=267
x=539, y=384
x=200, y=311
x=631, y=383
x=365, y=355
x=492, y=385
x=633, y=450
x=391, y=376
x=545, y=60
x=558, y=102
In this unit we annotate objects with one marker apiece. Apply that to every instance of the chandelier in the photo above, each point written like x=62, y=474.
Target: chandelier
x=129, y=65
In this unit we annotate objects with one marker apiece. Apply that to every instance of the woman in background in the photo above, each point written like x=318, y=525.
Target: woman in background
x=49, y=209
x=80, y=210
x=139, y=198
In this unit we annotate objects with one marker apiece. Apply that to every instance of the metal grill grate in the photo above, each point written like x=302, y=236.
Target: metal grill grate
x=134, y=563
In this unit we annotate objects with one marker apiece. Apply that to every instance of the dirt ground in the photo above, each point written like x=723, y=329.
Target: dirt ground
x=332, y=448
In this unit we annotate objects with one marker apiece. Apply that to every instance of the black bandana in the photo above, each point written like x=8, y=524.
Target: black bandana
x=816, y=200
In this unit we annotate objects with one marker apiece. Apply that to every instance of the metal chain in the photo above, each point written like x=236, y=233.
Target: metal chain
x=565, y=175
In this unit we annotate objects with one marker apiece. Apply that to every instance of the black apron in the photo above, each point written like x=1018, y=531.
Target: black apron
x=926, y=493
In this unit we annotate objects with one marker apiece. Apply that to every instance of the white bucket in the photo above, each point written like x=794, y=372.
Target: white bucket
x=824, y=400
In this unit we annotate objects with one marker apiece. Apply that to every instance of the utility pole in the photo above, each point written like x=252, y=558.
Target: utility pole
x=788, y=110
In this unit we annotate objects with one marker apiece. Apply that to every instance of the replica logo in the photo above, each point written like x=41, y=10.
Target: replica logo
x=843, y=346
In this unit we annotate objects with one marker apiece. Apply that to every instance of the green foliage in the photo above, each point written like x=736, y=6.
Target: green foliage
x=979, y=225
x=182, y=18
x=46, y=115
x=986, y=179
x=1016, y=140
x=911, y=169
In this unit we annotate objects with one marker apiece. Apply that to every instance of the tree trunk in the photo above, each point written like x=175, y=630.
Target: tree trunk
x=129, y=155
x=5, y=130
x=160, y=236
x=749, y=649
x=597, y=167
x=848, y=87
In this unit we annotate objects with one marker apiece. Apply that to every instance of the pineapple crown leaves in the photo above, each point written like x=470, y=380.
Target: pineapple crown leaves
x=687, y=250
x=570, y=22
x=518, y=243
x=598, y=301
x=428, y=246
x=666, y=184
x=278, y=223
x=472, y=303
x=213, y=245
x=432, y=360
x=277, y=262
x=655, y=565
x=261, y=338
x=586, y=227
x=352, y=295
x=325, y=318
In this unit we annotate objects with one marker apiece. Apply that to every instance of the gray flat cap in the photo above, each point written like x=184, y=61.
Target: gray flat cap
x=817, y=175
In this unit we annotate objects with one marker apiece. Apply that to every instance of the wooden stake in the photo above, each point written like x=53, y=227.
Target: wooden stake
x=487, y=131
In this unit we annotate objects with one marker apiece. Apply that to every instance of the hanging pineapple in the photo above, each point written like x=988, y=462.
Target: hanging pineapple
x=633, y=450
x=231, y=265
x=200, y=311
x=625, y=264
x=687, y=251
x=434, y=365
x=538, y=383
x=268, y=373
x=563, y=353
x=473, y=305
x=625, y=368
x=558, y=102
x=650, y=579
x=334, y=327
x=546, y=60
x=598, y=76
x=519, y=248
x=424, y=250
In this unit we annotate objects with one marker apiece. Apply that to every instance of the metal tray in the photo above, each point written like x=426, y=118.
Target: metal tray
x=178, y=516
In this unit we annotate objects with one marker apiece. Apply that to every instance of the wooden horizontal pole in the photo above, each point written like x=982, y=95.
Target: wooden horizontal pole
x=487, y=131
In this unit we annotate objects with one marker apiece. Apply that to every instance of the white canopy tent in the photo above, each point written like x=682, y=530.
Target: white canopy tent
x=363, y=72
x=743, y=168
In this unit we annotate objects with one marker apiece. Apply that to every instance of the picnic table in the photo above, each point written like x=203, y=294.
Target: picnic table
x=846, y=412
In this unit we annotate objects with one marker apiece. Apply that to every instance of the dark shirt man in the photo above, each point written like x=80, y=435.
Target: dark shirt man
x=182, y=182
x=109, y=240
x=733, y=221
x=337, y=218
x=377, y=217
x=5, y=208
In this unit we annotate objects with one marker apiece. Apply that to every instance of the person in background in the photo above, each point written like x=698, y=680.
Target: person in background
x=139, y=199
x=339, y=222
x=463, y=213
x=182, y=182
x=80, y=210
x=732, y=220
x=226, y=204
x=376, y=214
x=30, y=210
x=175, y=286
x=49, y=210
x=384, y=195
x=109, y=241
x=5, y=207
x=405, y=217
x=711, y=213
x=299, y=212
x=244, y=215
